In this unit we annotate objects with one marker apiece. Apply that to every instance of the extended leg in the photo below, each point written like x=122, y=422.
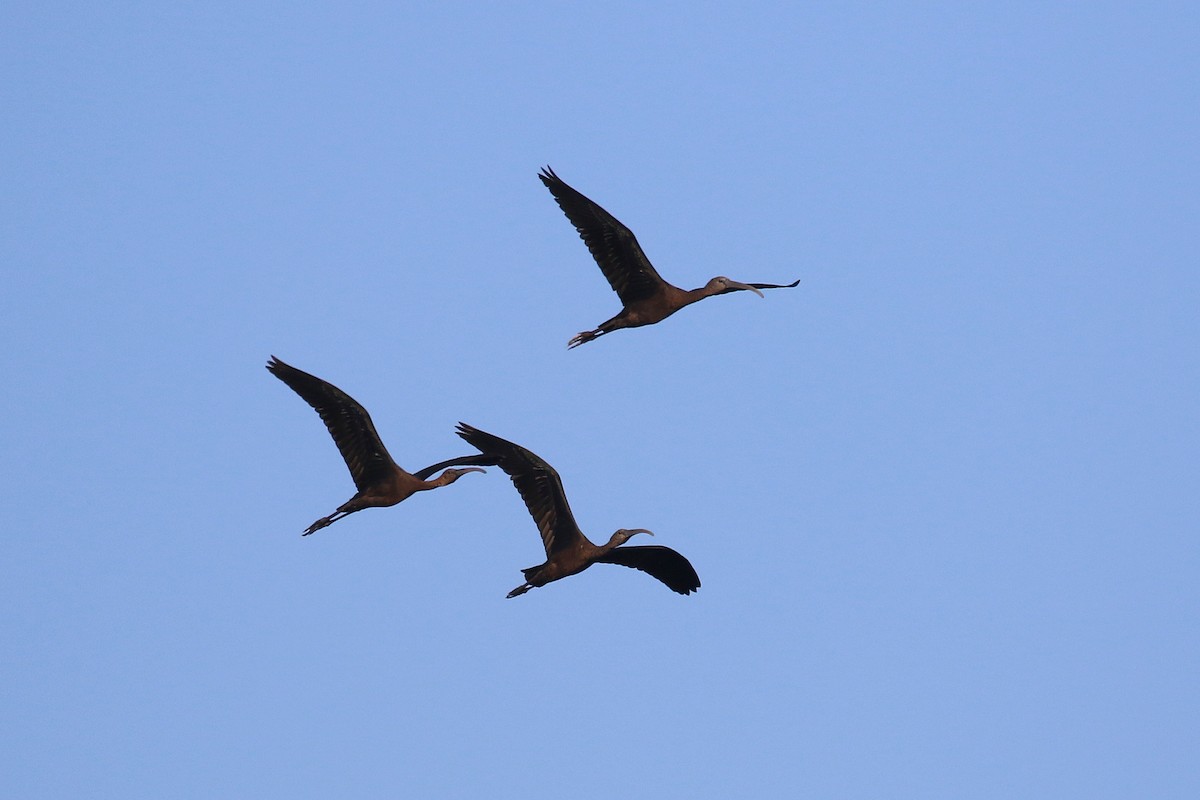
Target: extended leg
x=324, y=522
x=522, y=589
x=584, y=337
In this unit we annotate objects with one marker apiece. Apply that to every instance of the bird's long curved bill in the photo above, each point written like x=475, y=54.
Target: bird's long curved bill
x=747, y=287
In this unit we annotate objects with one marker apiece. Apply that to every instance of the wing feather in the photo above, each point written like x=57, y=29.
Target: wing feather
x=348, y=422
x=659, y=562
x=538, y=484
x=614, y=246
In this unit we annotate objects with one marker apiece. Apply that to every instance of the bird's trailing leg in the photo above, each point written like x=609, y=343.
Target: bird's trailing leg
x=522, y=589
x=584, y=337
x=324, y=522
x=608, y=326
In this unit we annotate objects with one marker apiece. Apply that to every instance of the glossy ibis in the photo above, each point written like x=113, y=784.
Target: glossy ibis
x=379, y=480
x=568, y=551
x=646, y=296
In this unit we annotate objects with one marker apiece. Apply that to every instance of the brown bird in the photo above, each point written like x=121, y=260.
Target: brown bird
x=380, y=481
x=568, y=551
x=646, y=296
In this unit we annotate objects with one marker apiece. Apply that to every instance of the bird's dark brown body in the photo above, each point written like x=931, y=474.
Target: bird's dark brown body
x=568, y=551
x=646, y=297
x=380, y=481
x=389, y=491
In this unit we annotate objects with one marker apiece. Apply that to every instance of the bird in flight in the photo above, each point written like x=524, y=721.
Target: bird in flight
x=380, y=481
x=568, y=551
x=646, y=297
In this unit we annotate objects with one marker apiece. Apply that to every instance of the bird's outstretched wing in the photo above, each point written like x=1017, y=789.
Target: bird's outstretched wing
x=657, y=561
x=538, y=484
x=348, y=422
x=614, y=246
x=762, y=286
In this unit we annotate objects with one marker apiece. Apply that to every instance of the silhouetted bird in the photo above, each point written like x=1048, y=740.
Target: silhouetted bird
x=568, y=551
x=380, y=481
x=646, y=296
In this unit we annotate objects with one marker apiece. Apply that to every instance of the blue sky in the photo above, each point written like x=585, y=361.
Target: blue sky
x=941, y=496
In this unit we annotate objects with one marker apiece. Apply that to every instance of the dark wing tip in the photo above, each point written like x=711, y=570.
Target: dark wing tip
x=685, y=583
x=548, y=177
x=662, y=563
x=486, y=443
x=299, y=380
x=282, y=370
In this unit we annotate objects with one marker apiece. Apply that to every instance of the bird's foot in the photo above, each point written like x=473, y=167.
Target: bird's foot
x=582, y=338
x=316, y=526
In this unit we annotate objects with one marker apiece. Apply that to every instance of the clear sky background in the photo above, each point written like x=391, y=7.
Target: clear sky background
x=942, y=496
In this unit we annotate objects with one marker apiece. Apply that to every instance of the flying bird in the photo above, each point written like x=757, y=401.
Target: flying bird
x=380, y=481
x=646, y=297
x=568, y=551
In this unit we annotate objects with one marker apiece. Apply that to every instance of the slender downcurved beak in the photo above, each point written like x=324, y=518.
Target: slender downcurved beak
x=746, y=286
x=640, y=530
x=462, y=470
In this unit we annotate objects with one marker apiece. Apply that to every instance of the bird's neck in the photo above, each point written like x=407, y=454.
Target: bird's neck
x=445, y=478
x=615, y=542
x=707, y=290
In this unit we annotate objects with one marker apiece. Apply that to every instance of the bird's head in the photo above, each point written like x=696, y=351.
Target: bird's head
x=451, y=475
x=721, y=284
x=624, y=535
